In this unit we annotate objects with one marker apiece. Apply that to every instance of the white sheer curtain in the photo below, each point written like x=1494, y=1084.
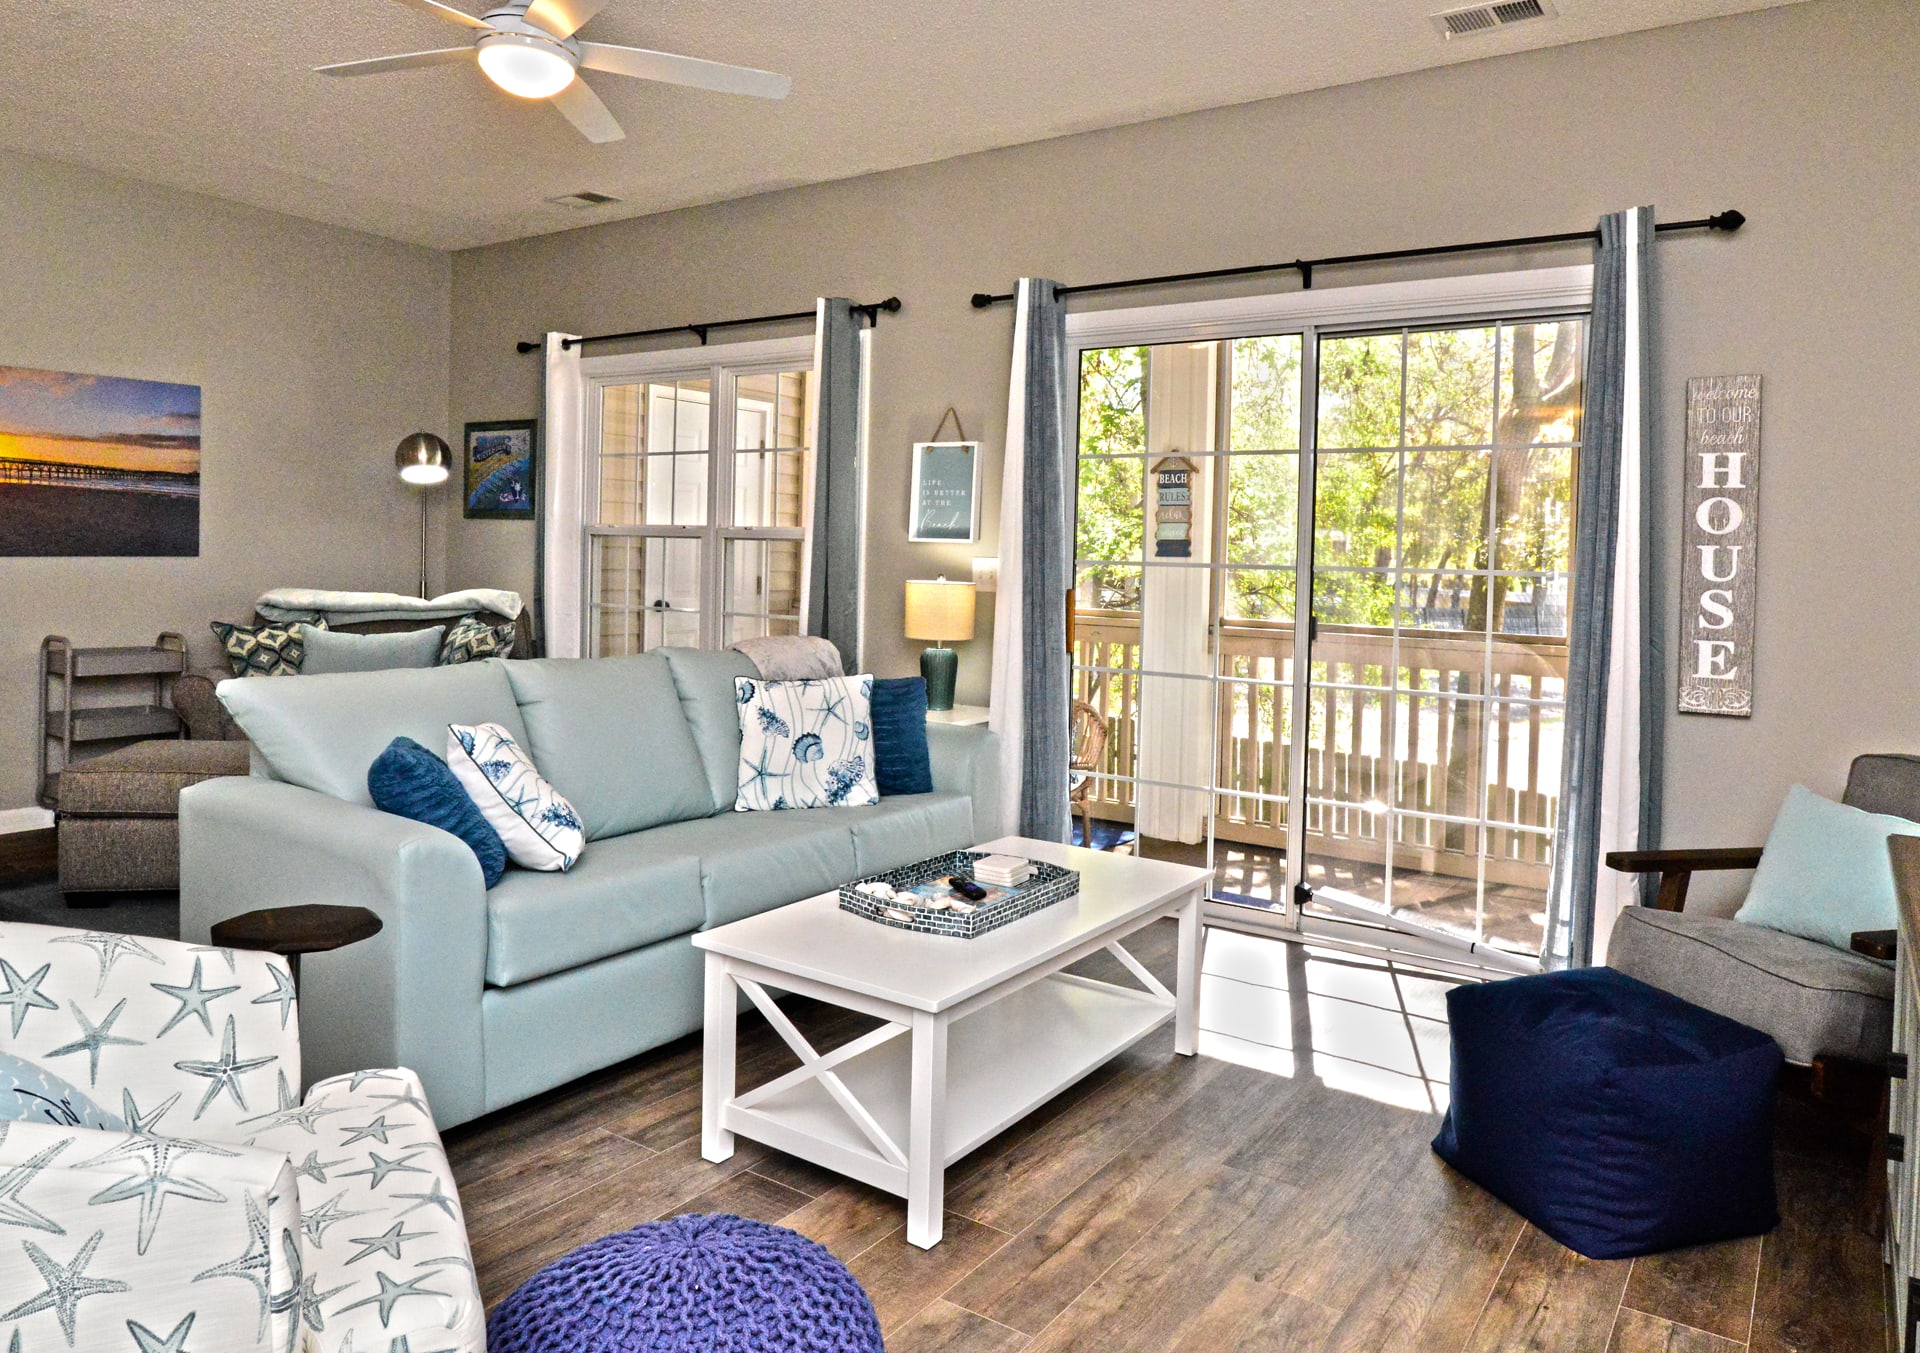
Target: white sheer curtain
x=561, y=566
x=1008, y=717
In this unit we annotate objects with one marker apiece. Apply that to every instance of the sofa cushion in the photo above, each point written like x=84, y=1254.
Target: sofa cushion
x=410, y=781
x=609, y=734
x=751, y=865
x=270, y=649
x=469, y=639
x=145, y=780
x=901, y=762
x=539, y=828
x=322, y=732
x=1813, y=999
x=805, y=744
x=1824, y=873
x=328, y=651
x=628, y=891
x=705, y=682
x=907, y=827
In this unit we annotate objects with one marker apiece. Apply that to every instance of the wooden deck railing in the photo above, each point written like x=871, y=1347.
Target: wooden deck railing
x=1460, y=723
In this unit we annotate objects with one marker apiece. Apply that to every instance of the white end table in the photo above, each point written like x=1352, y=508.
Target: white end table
x=992, y=1027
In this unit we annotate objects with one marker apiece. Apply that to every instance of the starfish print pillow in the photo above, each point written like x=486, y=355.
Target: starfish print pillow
x=805, y=744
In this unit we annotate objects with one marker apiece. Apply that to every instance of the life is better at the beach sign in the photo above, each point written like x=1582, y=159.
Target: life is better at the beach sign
x=1720, y=533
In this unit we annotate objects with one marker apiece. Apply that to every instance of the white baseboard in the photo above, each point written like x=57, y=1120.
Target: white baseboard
x=24, y=820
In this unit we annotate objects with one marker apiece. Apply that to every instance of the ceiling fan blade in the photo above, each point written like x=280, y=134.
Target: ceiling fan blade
x=582, y=107
x=562, y=18
x=684, y=70
x=447, y=12
x=380, y=65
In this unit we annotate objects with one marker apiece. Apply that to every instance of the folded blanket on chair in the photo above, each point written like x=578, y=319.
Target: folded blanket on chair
x=298, y=603
x=792, y=657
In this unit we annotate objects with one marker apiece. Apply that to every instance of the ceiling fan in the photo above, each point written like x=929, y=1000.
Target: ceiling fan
x=528, y=48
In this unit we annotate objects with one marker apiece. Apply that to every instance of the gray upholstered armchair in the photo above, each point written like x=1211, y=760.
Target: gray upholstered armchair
x=1830, y=1010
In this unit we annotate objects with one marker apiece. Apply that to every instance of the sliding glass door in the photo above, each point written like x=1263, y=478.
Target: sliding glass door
x=1321, y=610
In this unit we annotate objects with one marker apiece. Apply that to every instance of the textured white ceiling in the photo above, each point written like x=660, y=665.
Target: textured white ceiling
x=217, y=95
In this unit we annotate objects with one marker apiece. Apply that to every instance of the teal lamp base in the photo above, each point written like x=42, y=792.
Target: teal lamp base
x=940, y=666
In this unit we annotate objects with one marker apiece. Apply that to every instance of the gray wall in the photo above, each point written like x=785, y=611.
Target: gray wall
x=1804, y=117
x=316, y=350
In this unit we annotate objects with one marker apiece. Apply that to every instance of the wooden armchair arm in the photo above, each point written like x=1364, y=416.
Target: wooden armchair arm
x=1676, y=868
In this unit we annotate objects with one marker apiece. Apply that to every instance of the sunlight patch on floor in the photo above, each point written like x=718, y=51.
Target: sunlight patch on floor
x=1365, y=1026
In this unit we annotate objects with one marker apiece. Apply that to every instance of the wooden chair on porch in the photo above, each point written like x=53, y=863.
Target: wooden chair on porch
x=1089, y=752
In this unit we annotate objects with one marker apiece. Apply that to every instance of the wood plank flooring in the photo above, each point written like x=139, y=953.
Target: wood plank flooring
x=1178, y=1204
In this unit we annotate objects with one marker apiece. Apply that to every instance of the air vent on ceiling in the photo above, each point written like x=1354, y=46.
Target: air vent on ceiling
x=585, y=199
x=1459, y=23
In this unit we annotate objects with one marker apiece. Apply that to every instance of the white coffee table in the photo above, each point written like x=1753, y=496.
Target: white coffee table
x=994, y=1028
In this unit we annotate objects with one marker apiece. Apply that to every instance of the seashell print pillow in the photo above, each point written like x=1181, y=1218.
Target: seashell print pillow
x=805, y=744
x=540, y=828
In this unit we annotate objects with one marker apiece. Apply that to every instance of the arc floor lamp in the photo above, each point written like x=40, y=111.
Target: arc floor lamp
x=424, y=461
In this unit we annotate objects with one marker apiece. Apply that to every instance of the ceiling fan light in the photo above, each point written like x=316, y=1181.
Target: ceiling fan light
x=525, y=67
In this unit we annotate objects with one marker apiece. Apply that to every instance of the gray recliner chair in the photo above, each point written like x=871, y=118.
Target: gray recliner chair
x=1822, y=1005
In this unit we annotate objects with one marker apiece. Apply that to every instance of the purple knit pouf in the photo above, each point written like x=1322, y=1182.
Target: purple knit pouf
x=718, y=1284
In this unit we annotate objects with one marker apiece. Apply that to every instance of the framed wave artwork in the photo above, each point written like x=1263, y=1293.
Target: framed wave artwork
x=497, y=460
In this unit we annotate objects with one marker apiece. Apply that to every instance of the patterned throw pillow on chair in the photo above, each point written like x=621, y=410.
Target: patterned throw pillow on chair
x=470, y=639
x=805, y=744
x=264, y=650
x=541, y=830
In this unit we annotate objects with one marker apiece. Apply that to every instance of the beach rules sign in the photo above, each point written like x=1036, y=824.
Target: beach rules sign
x=1720, y=532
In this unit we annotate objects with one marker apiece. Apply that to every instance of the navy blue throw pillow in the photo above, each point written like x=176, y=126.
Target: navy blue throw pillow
x=409, y=781
x=901, y=763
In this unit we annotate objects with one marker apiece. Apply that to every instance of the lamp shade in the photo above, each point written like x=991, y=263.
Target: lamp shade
x=423, y=458
x=940, y=611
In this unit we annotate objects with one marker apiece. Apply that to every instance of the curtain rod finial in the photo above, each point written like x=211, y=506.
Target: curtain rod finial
x=981, y=300
x=891, y=305
x=1728, y=221
x=524, y=346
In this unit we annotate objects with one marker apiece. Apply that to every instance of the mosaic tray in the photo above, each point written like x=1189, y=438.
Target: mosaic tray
x=1049, y=884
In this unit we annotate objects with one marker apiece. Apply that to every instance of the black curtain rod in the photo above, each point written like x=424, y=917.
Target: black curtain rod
x=891, y=305
x=1728, y=221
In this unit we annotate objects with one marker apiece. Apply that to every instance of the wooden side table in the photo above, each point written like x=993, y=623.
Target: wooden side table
x=311, y=928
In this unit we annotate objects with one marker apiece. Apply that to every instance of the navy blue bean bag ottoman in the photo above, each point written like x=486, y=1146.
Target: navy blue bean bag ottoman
x=1617, y=1118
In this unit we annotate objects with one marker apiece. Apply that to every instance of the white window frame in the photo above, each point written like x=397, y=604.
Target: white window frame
x=1437, y=301
x=720, y=365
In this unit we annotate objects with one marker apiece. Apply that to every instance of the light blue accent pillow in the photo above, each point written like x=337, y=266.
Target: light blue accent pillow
x=1824, y=873
x=331, y=651
x=30, y=1093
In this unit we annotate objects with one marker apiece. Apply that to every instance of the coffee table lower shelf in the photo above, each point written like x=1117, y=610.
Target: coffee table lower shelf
x=1003, y=1061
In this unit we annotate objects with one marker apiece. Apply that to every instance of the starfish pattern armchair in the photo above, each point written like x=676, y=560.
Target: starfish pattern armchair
x=164, y=1190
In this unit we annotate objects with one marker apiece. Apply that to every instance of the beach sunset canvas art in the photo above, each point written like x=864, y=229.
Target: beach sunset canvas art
x=98, y=465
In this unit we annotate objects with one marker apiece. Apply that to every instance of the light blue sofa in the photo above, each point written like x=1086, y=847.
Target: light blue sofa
x=495, y=996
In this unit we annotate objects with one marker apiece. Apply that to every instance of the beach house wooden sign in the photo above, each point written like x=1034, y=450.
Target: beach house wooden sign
x=1720, y=534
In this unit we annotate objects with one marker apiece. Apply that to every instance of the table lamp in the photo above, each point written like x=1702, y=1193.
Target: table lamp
x=942, y=613
x=424, y=461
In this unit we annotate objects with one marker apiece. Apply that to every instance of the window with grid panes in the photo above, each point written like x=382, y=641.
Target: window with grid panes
x=698, y=522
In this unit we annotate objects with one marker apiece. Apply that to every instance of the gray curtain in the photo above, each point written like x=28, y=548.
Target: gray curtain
x=833, y=586
x=1046, y=677
x=1576, y=859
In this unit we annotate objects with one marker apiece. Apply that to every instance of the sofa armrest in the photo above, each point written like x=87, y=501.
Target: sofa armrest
x=1677, y=867
x=966, y=760
x=200, y=709
x=219, y=1239
x=410, y=996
